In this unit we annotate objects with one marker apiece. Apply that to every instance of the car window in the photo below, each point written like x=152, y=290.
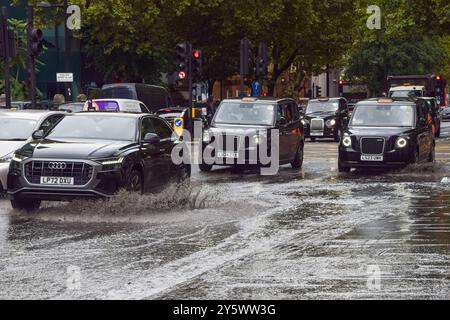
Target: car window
x=286, y=111
x=146, y=127
x=49, y=123
x=144, y=109
x=161, y=129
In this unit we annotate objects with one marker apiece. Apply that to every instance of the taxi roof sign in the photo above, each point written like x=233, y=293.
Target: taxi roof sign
x=249, y=99
x=385, y=100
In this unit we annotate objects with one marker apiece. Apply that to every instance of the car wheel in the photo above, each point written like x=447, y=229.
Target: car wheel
x=342, y=168
x=298, y=161
x=432, y=156
x=205, y=167
x=27, y=205
x=416, y=158
x=134, y=183
x=438, y=132
x=184, y=173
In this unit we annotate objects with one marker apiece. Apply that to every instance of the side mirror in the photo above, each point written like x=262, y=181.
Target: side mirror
x=38, y=135
x=151, y=138
x=282, y=121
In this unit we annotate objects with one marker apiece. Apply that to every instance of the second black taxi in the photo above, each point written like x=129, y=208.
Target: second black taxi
x=387, y=133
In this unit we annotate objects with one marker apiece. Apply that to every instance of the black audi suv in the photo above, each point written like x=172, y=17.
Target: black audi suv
x=89, y=155
x=387, y=133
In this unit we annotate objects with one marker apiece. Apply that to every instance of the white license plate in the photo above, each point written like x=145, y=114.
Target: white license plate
x=57, y=181
x=372, y=158
x=231, y=155
x=317, y=134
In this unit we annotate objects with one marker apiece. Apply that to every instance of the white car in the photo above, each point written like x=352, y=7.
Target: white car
x=17, y=128
x=115, y=105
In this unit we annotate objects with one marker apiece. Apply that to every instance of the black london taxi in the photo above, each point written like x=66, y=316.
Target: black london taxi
x=92, y=155
x=387, y=133
x=325, y=118
x=243, y=127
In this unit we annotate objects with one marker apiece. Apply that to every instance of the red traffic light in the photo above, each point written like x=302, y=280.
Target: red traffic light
x=341, y=82
x=196, y=54
x=182, y=75
x=438, y=78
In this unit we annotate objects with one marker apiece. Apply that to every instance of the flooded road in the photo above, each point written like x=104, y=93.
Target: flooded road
x=314, y=234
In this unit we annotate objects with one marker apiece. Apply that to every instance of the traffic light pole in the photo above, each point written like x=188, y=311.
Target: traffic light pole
x=31, y=61
x=190, y=88
x=6, y=52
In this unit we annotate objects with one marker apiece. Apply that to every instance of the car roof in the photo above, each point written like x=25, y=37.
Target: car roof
x=405, y=88
x=258, y=99
x=28, y=114
x=376, y=101
x=112, y=114
x=326, y=99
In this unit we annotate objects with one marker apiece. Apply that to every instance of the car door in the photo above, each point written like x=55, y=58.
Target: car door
x=285, y=131
x=166, y=145
x=424, y=131
x=152, y=156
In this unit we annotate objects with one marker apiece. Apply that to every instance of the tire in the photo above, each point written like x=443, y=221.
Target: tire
x=415, y=159
x=343, y=169
x=135, y=182
x=184, y=173
x=432, y=156
x=205, y=167
x=298, y=161
x=27, y=205
x=438, y=132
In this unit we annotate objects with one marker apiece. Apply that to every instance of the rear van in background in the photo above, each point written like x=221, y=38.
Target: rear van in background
x=154, y=97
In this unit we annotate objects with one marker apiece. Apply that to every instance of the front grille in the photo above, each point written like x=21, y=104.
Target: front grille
x=230, y=143
x=372, y=145
x=317, y=124
x=80, y=171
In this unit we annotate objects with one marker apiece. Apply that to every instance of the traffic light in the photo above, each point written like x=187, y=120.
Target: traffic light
x=182, y=61
x=247, y=58
x=261, y=61
x=37, y=41
x=197, y=61
x=341, y=88
x=318, y=92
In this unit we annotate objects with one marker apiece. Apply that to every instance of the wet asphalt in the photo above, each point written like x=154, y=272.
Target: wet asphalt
x=309, y=234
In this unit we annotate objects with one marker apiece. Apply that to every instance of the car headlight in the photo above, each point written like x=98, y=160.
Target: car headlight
x=112, y=161
x=347, y=141
x=6, y=158
x=18, y=158
x=206, y=136
x=401, y=142
x=331, y=123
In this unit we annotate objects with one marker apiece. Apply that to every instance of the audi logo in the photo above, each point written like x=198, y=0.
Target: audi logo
x=57, y=165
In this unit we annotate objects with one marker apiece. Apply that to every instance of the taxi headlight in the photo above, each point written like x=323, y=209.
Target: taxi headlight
x=18, y=158
x=331, y=123
x=206, y=136
x=347, y=141
x=401, y=142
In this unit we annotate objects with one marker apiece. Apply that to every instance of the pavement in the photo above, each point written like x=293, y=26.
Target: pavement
x=309, y=234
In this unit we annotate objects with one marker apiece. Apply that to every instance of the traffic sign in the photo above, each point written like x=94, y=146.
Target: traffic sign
x=256, y=89
x=64, y=77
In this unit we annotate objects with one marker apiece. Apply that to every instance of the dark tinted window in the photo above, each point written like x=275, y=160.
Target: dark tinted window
x=50, y=122
x=161, y=128
x=118, y=93
x=146, y=127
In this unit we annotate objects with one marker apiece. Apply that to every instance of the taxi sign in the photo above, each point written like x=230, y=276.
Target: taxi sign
x=249, y=99
x=385, y=100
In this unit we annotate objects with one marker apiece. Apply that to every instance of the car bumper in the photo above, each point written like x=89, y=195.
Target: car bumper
x=102, y=184
x=326, y=133
x=395, y=158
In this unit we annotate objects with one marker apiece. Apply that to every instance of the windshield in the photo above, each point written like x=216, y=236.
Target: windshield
x=117, y=93
x=9, y=129
x=406, y=93
x=246, y=113
x=383, y=116
x=95, y=127
x=322, y=106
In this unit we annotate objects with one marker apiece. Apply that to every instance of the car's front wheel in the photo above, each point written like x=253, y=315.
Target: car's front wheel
x=432, y=156
x=135, y=182
x=342, y=168
x=205, y=167
x=27, y=205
